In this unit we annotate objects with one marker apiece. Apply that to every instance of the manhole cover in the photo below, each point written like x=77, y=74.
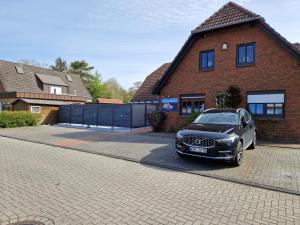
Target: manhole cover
x=27, y=222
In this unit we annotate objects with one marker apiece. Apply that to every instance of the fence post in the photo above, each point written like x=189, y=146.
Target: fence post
x=113, y=117
x=70, y=114
x=82, y=115
x=145, y=115
x=131, y=116
x=97, y=123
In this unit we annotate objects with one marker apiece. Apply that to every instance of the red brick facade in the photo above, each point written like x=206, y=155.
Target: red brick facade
x=275, y=68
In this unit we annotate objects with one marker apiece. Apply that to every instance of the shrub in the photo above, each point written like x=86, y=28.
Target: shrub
x=189, y=119
x=231, y=98
x=18, y=119
x=156, y=120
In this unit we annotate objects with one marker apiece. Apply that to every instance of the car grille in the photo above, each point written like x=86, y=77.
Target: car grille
x=199, y=141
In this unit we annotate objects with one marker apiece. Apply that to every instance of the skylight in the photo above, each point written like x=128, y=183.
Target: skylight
x=19, y=70
x=69, y=78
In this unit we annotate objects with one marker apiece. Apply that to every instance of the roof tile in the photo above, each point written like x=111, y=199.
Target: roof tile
x=48, y=79
x=27, y=82
x=144, y=92
x=229, y=14
x=297, y=46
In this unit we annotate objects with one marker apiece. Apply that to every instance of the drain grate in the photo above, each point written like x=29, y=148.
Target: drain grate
x=27, y=222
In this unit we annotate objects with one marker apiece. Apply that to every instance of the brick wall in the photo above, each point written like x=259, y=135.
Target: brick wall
x=275, y=69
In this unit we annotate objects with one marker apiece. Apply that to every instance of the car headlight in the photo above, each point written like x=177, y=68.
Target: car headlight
x=179, y=136
x=228, y=140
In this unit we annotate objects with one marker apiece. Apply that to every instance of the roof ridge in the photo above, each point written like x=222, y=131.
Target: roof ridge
x=161, y=67
x=229, y=14
x=243, y=8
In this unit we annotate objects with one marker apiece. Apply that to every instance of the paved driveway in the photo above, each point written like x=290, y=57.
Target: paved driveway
x=60, y=186
x=270, y=167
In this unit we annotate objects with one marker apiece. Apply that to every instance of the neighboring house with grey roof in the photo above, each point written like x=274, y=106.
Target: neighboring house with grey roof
x=31, y=88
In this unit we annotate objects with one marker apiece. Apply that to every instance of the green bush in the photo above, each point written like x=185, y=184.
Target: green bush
x=189, y=119
x=156, y=119
x=18, y=119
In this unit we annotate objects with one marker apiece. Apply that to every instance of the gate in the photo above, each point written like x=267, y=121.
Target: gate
x=114, y=115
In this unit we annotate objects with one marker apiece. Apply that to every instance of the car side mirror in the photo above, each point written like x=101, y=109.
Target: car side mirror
x=244, y=124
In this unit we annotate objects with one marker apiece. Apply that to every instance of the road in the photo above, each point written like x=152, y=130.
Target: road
x=73, y=187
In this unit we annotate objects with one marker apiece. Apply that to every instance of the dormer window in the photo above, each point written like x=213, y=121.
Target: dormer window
x=56, y=90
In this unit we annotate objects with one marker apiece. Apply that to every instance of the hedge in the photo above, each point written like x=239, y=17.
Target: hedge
x=18, y=119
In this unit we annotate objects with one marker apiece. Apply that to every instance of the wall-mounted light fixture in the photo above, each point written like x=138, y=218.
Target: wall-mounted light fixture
x=224, y=46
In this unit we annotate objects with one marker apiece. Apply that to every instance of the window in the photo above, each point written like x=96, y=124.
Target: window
x=55, y=90
x=207, y=59
x=246, y=54
x=35, y=109
x=191, y=103
x=266, y=104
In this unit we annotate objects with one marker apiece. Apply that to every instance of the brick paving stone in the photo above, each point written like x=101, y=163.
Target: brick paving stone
x=72, y=187
x=276, y=166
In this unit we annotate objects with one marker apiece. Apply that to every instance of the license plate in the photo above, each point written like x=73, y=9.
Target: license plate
x=198, y=149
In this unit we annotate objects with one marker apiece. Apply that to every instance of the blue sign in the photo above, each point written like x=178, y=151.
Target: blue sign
x=169, y=104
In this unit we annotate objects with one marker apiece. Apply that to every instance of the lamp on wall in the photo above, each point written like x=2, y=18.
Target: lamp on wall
x=224, y=46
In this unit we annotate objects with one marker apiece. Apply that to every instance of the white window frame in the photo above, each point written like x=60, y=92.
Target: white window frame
x=35, y=106
x=265, y=99
x=56, y=90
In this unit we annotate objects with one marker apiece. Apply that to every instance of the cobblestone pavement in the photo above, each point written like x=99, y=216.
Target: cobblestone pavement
x=266, y=166
x=73, y=187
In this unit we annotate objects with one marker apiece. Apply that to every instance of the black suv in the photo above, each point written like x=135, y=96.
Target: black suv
x=218, y=134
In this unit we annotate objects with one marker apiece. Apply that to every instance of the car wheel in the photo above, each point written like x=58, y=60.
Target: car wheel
x=253, y=144
x=239, y=155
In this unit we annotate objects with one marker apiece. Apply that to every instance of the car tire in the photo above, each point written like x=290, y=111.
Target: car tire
x=253, y=144
x=239, y=154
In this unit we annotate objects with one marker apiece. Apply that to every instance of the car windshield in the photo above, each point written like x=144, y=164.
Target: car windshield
x=226, y=118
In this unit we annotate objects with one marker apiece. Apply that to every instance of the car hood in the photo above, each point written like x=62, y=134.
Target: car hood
x=213, y=130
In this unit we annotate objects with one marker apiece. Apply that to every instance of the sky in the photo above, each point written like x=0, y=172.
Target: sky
x=123, y=39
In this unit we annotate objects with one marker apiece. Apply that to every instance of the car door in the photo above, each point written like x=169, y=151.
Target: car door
x=246, y=126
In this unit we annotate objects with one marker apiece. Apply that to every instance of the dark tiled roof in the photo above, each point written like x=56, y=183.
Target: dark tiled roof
x=27, y=82
x=229, y=14
x=50, y=79
x=297, y=46
x=144, y=92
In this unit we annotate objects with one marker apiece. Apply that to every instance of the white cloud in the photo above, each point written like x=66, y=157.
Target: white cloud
x=156, y=12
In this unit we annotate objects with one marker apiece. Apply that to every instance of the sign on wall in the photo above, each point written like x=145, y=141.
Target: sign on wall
x=169, y=104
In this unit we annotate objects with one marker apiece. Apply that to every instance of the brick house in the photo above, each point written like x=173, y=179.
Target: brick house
x=237, y=47
x=39, y=90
